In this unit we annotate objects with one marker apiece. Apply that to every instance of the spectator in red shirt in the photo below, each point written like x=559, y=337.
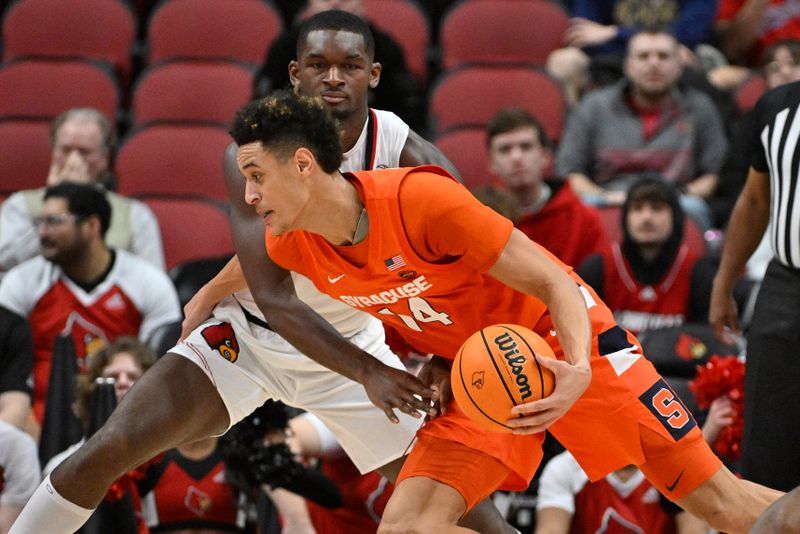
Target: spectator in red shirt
x=550, y=213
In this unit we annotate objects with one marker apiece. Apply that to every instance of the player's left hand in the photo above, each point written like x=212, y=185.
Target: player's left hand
x=436, y=375
x=571, y=381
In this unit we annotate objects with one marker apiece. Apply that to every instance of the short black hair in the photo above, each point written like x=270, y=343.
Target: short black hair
x=336, y=20
x=283, y=122
x=83, y=200
x=511, y=119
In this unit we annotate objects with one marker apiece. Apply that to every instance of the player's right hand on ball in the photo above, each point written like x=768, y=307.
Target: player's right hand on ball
x=389, y=389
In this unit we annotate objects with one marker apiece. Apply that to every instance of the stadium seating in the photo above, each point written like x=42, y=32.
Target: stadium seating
x=501, y=32
x=213, y=29
x=404, y=22
x=102, y=30
x=466, y=149
x=470, y=96
x=191, y=229
x=24, y=154
x=218, y=90
x=44, y=89
x=162, y=160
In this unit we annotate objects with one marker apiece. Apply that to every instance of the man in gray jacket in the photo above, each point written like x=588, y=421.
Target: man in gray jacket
x=645, y=123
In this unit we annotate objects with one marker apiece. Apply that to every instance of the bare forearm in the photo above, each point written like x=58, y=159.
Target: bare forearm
x=746, y=228
x=548, y=282
x=228, y=280
x=703, y=186
x=571, y=321
x=292, y=509
x=582, y=185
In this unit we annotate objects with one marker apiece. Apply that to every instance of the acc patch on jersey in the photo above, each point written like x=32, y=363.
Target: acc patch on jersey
x=221, y=338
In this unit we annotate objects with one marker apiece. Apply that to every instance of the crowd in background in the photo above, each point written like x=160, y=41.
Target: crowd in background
x=635, y=192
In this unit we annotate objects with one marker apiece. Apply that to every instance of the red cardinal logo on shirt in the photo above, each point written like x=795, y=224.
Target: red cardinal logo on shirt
x=690, y=348
x=197, y=501
x=221, y=338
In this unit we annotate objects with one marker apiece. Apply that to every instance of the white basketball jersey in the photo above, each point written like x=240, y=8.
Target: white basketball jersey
x=378, y=147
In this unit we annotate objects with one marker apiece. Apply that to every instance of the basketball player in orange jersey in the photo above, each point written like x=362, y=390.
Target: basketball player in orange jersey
x=438, y=265
x=201, y=387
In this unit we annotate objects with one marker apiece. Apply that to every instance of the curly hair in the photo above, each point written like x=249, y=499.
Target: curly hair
x=283, y=122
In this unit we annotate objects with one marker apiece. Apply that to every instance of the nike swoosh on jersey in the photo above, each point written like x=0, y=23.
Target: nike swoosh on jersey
x=671, y=487
x=334, y=279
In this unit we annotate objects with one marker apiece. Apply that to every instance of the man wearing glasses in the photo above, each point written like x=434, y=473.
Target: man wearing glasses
x=83, y=141
x=80, y=287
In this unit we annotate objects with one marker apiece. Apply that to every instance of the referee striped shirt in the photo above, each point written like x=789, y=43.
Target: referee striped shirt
x=776, y=152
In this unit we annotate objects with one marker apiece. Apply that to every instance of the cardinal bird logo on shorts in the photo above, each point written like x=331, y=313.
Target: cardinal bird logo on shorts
x=221, y=338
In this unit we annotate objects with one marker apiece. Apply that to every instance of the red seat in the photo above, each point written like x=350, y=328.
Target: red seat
x=173, y=160
x=404, y=22
x=213, y=29
x=44, y=89
x=218, y=90
x=501, y=31
x=93, y=29
x=24, y=154
x=612, y=221
x=471, y=96
x=466, y=148
x=191, y=229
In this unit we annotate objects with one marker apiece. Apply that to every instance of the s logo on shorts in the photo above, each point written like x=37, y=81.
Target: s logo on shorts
x=668, y=408
x=221, y=338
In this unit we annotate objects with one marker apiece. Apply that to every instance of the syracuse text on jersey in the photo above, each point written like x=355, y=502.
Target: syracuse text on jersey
x=411, y=289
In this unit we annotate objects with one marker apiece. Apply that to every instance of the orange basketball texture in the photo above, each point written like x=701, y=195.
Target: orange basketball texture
x=497, y=368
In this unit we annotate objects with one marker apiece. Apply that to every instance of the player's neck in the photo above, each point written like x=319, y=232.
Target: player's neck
x=352, y=126
x=338, y=213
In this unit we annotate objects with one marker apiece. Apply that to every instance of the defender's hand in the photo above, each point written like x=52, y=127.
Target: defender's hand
x=723, y=315
x=389, y=388
x=570, y=383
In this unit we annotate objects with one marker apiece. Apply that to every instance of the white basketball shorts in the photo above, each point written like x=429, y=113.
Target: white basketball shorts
x=249, y=364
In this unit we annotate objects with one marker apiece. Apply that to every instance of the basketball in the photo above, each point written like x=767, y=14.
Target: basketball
x=497, y=368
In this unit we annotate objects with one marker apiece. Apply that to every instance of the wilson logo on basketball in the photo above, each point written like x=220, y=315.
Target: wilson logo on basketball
x=515, y=361
x=477, y=379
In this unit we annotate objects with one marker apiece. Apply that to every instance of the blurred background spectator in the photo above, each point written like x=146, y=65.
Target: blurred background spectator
x=653, y=278
x=83, y=142
x=80, y=287
x=19, y=472
x=645, y=123
x=16, y=366
x=549, y=212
